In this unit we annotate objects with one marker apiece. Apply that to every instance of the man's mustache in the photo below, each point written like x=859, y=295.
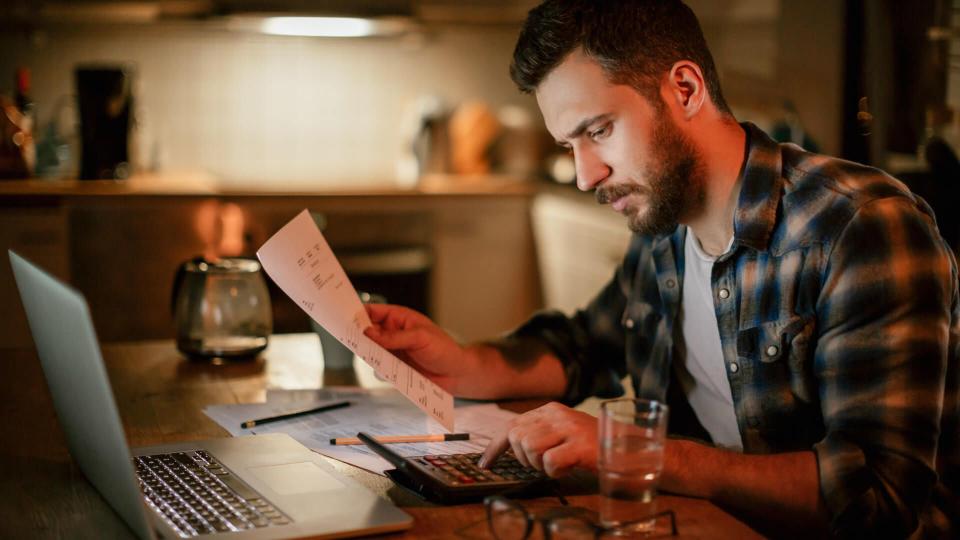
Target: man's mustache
x=606, y=194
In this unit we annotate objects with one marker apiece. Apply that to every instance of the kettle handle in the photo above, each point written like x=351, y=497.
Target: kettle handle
x=178, y=282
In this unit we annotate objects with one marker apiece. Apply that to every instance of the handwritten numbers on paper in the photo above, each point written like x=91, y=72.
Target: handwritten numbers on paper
x=321, y=281
x=375, y=361
x=352, y=338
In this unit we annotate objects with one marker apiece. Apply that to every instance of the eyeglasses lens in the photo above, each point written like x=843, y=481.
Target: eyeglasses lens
x=508, y=522
x=570, y=528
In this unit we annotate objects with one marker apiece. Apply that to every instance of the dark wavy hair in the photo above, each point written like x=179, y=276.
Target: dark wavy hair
x=635, y=42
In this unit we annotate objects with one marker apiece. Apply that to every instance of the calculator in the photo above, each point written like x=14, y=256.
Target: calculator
x=455, y=478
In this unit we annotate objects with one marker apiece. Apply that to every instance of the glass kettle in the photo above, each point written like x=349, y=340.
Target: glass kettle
x=221, y=309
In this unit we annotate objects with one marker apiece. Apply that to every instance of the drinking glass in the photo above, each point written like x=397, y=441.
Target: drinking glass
x=631, y=439
x=336, y=355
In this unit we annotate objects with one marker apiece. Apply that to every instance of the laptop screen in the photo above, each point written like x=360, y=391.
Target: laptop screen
x=70, y=355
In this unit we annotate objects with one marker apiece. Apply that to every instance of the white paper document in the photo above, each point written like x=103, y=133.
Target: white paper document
x=377, y=412
x=301, y=262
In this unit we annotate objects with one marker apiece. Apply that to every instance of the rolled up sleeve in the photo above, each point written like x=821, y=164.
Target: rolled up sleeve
x=591, y=342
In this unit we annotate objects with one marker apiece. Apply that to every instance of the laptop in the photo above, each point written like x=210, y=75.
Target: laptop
x=262, y=486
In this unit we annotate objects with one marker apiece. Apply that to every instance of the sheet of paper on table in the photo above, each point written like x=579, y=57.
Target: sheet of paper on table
x=301, y=262
x=378, y=412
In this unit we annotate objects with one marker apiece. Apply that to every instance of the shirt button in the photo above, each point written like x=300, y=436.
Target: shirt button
x=734, y=367
x=671, y=283
x=772, y=350
x=724, y=294
x=629, y=323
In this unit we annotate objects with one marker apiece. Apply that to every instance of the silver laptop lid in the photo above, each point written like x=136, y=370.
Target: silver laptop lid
x=67, y=346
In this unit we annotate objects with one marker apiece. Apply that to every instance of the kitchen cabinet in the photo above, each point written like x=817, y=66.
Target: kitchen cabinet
x=39, y=232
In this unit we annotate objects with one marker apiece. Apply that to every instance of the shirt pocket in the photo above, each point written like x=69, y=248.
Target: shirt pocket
x=781, y=352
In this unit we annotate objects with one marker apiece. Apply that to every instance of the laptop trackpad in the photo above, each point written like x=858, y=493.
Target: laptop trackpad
x=296, y=478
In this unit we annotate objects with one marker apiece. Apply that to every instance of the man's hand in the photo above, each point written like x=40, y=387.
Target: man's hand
x=416, y=340
x=553, y=439
x=479, y=371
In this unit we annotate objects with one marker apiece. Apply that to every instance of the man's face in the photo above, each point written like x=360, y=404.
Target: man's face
x=625, y=148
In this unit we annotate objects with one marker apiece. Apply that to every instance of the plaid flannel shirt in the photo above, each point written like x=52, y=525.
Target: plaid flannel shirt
x=839, y=320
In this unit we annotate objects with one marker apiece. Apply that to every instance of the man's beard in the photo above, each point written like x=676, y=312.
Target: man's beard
x=676, y=186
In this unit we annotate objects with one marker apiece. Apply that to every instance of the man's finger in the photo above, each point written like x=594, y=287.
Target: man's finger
x=394, y=315
x=390, y=316
x=496, y=447
x=398, y=339
x=515, y=437
x=536, y=443
x=532, y=454
x=558, y=460
x=377, y=312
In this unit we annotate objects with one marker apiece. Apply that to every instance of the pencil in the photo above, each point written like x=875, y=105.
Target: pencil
x=405, y=438
x=294, y=414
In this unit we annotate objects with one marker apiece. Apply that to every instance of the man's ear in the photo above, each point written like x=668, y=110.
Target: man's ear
x=686, y=87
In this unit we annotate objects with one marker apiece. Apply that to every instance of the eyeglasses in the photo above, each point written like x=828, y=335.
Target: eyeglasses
x=509, y=520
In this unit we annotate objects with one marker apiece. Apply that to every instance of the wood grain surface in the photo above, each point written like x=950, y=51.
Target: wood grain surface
x=160, y=396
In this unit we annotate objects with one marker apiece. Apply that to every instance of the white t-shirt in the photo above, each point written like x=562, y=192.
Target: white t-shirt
x=699, y=364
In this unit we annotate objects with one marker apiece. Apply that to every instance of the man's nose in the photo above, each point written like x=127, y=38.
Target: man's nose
x=591, y=170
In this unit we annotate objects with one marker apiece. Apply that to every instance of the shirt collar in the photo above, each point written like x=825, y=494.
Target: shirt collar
x=760, y=190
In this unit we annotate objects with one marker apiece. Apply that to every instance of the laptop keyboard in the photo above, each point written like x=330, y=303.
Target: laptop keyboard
x=197, y=495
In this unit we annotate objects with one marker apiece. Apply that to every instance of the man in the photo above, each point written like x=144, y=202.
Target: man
x=798, y=312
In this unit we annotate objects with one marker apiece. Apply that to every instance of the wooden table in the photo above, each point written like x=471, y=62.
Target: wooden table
x=160, y=396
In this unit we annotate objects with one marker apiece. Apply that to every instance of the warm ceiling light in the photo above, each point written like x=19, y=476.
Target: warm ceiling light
x=318, y=26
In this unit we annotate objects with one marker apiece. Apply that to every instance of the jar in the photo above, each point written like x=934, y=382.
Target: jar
x=221, y=309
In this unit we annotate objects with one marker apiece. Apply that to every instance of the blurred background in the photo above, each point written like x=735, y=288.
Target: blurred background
x=139, y=134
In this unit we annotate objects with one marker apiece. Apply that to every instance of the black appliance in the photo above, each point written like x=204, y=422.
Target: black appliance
x=105, y=104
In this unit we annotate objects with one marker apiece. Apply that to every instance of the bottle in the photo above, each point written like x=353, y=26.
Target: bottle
x=22, y=96
x=26, y=107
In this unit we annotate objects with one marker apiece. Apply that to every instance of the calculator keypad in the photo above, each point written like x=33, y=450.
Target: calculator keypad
x=462, y=469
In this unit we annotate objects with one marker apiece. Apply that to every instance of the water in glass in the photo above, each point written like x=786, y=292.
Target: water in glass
x=628, y=474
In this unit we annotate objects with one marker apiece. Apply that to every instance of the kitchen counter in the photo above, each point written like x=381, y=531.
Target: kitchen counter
x=120, y=242
x=203, y=185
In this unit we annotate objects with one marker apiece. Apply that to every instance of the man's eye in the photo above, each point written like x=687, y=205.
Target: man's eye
x=600, y=132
